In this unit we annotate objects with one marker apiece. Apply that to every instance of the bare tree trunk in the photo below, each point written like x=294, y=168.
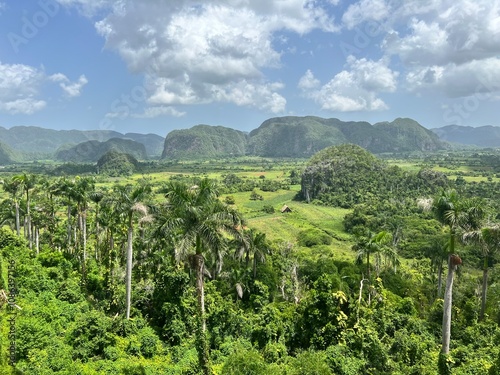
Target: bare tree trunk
x=199, y=264
x=37, y=240
x=18, y=225
x=68, y=224
x=28, y=219
x=84, y=235
x=128, y=277
x=440, y=278
x=359, y=297
x=447, y=307
x=484, y=288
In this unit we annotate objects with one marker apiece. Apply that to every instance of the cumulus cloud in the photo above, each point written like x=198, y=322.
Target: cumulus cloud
x=21, y=86
x=152, y=112
x=475, y=77
x=365, y=10
x=71, y=89
x=222, y=59
x=354, y=89
x=88, y=7
x=447, y=45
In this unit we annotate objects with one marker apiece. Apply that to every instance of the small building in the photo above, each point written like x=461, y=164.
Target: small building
x=285, y=208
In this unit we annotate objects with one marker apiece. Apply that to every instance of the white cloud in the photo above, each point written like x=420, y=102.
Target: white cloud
x=475, y=77
x=26, y=106
x=152, y=112
x=308, y=81
x=21, y=87
x=365, y=10
x=227, y=51
x=355, y=89
x=446, y=45
x=3, y=6
x=88, y=7
x=72, y=89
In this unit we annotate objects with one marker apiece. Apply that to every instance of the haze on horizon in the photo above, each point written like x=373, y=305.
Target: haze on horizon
x=152, y=68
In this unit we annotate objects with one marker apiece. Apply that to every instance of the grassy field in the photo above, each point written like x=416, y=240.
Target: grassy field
x=280, y=226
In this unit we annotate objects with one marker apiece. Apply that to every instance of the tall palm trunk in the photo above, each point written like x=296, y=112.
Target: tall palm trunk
x=447, y=307
x=484, y=288
x=18, y=225
x=97, y=229
x=37, y=240
x=440, y=277
x=368, y=264
x=68, y=224
x=128, y=277
x=199, y=264
x=28, y=220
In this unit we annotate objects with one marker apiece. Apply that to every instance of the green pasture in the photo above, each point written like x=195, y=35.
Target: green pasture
x=280, y=226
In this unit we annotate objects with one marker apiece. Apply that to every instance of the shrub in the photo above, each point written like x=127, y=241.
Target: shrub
x=313, y=237
x=245, y=362
x=268, y=209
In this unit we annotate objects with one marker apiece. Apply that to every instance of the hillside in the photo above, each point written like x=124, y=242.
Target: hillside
x=91, y=151
x=407, y=135
x=482, y=136
x=37, y=140
x=293, y=136
x=152, y=142
x=347, y=175
x=7, y=155
x=204, y=141
x=289, y=136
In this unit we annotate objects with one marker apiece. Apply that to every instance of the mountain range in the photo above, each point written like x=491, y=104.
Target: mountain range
x=288, y=136
x=482, y=136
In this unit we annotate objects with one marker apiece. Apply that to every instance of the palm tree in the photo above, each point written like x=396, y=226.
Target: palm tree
x=488, y=238
x=201, y=223
x=12, y=186
x=254, y=243
x=65, y=189
x=130, y=202
x=27, y=182
x=96, y=196
x=371, y=243
x=437, y=252
x=457, y=214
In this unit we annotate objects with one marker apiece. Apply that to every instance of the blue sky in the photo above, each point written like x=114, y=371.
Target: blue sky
x=157, y=65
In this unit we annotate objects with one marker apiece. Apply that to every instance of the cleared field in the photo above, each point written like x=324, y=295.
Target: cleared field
x=280, y=226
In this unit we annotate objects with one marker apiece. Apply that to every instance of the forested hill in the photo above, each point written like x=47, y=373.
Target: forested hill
x=289, y=136
x=300, y=137
x=204, y=141
x=7, y=155
x=482, y=136
x=42, y=141
x=91, y=151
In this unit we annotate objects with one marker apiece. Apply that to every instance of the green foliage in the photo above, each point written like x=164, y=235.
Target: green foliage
x=268, y=209
x=229, y=199
x=313, y=237
x=90, y=335
x=310, y=363
x=114, y=164
x=245, y=362
x=347, y=175
x=255, y=196
x=305, y=309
